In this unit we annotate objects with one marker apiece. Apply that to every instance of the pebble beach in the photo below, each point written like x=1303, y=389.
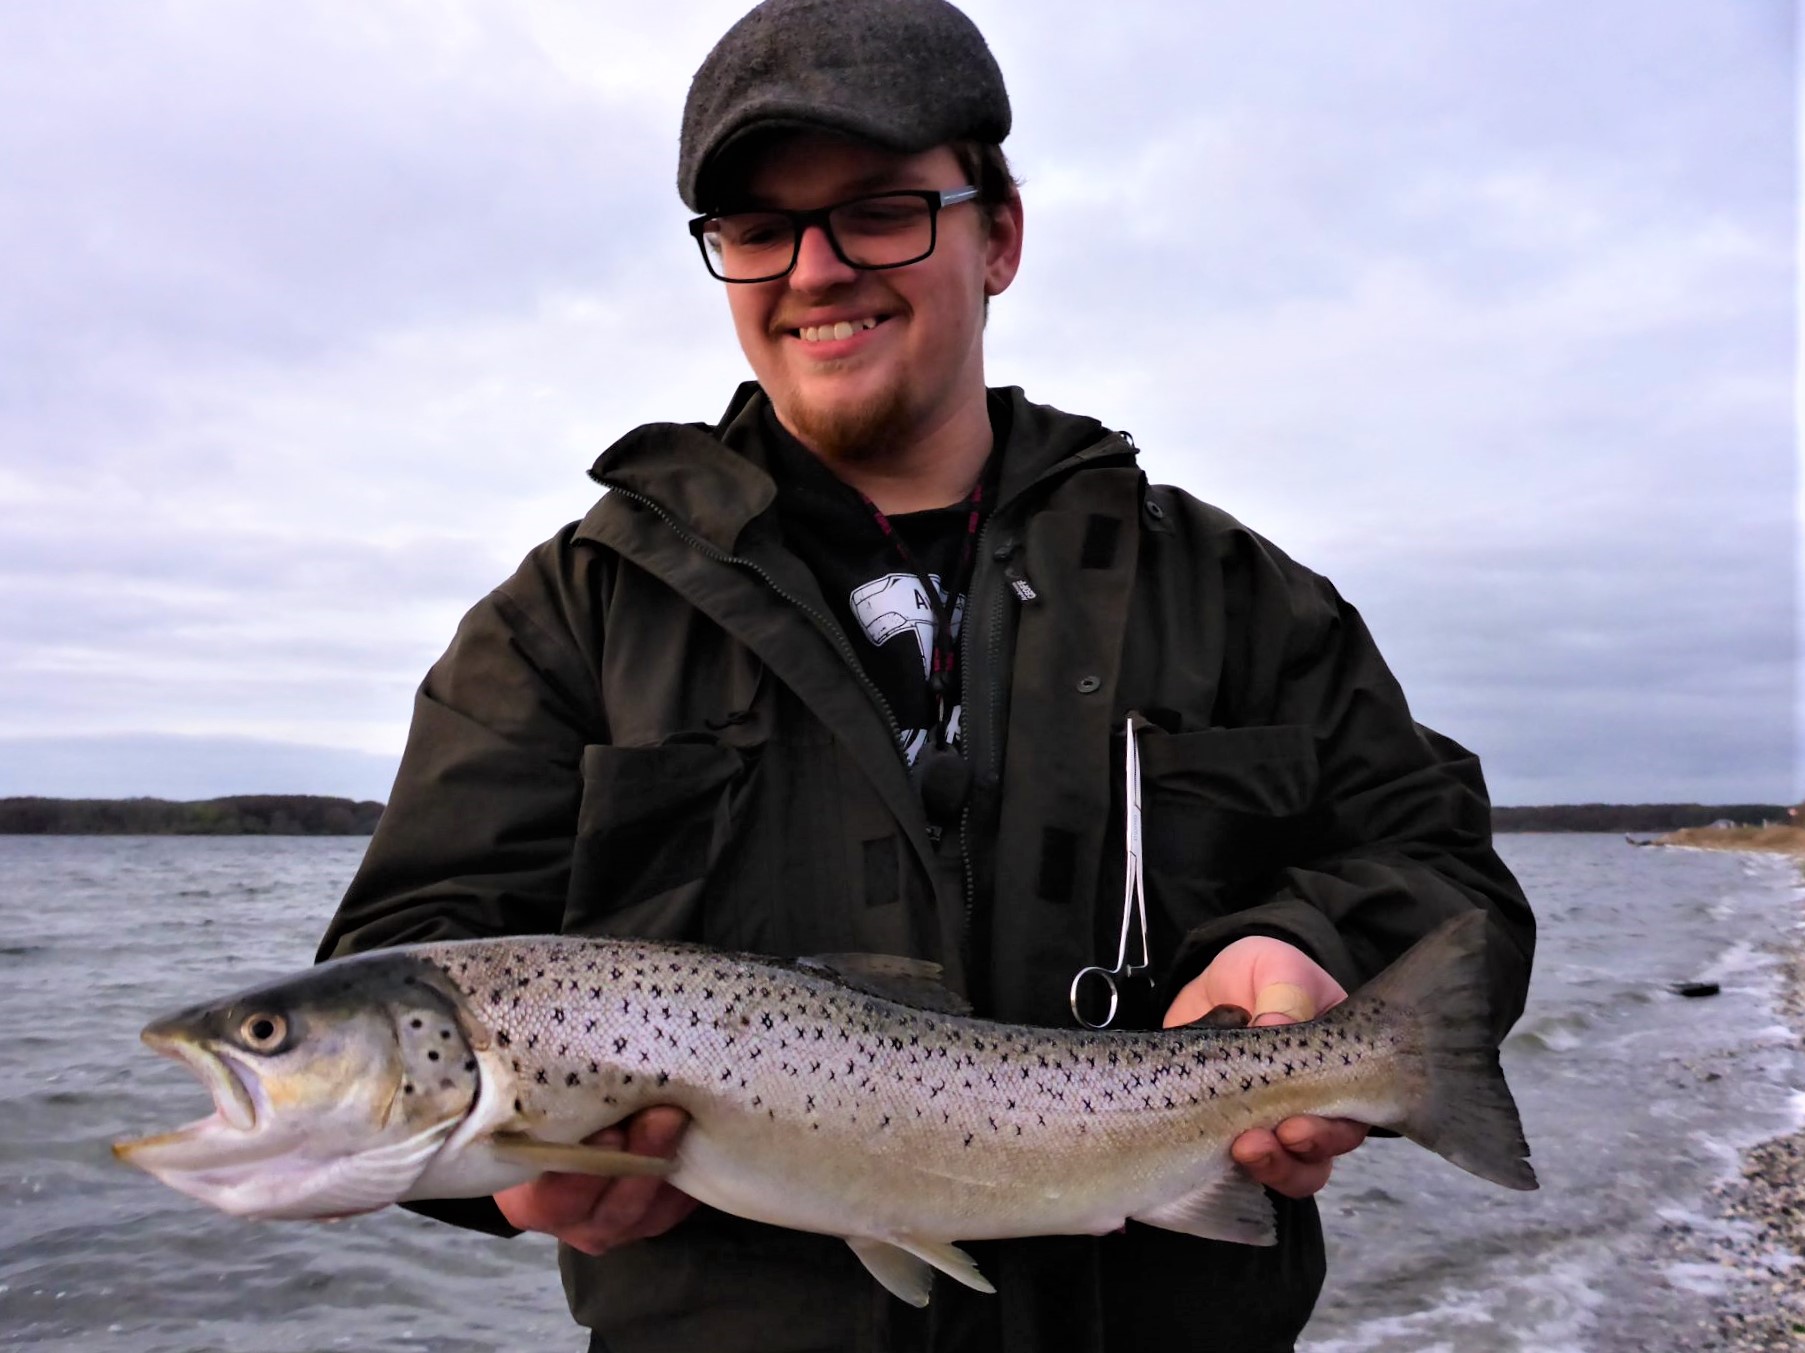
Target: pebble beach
x=1753, y=1260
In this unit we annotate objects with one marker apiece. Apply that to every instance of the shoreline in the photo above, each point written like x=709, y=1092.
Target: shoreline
x=1769, y=840
x=1756, y=1246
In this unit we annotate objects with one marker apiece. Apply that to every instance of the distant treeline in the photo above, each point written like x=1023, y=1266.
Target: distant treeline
x=240, y=815
x=1633, y=817
x=315, y=815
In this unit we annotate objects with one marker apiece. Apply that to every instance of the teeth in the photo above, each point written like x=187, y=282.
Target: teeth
x=813, y=333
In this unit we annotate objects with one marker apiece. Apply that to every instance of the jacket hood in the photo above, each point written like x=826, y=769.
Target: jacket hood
x=706, y=477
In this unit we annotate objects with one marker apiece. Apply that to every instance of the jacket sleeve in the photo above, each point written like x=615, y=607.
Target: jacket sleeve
x=1399, y=836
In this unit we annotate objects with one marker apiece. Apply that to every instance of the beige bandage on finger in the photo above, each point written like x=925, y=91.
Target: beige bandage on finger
x=1284, y=998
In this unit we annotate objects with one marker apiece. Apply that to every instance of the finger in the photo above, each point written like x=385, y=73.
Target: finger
x=668, y=1207
x=623, y=1205
x=1260, y=1154
x=1310, y=1138
x=656, y=1131
x=551, y=1202
x=1290, y=1002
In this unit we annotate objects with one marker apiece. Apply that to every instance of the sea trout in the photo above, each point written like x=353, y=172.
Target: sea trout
x=818, y=1100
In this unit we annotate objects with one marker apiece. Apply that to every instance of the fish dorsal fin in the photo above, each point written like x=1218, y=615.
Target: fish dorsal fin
x=907, y=981
x=575, y=1158
x=1230, y=1206
x=905, y=1264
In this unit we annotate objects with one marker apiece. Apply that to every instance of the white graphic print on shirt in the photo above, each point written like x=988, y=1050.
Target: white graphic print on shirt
x=895, y=605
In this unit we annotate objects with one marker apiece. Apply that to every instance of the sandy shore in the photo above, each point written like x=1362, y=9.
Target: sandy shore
x=1758, y=1251
x=1775, y=840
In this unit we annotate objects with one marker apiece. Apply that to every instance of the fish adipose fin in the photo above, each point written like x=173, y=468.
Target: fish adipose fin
x=576, y=1159
x=1230, y=1207
x=1461, y=1109
x=905, y=1266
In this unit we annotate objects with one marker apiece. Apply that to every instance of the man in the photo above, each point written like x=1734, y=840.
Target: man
x=849, y=671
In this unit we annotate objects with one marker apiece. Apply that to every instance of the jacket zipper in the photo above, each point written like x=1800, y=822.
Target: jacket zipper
x=1023, y=590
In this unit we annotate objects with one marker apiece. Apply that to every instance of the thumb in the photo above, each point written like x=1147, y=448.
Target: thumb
x=1283, y=1003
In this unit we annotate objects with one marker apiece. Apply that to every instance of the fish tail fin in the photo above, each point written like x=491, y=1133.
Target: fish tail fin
x=1457, y=1102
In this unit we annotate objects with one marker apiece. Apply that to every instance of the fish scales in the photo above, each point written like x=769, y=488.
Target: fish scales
x=461, y=1068
x=757, y=1053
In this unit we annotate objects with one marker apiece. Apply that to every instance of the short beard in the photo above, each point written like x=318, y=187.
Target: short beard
x=858, y=432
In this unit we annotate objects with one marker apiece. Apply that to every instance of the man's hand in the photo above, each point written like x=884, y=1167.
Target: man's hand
x=1279, y=984
x=593, y=1214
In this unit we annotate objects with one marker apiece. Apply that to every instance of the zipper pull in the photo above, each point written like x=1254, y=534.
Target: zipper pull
x=1019, y=584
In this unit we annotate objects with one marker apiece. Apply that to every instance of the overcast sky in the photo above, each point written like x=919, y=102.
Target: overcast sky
x=315, y=313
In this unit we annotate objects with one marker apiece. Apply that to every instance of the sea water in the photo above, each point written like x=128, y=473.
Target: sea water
x=1635, y=1102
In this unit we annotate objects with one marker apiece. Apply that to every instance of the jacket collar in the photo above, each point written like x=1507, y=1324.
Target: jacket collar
x=714, y=482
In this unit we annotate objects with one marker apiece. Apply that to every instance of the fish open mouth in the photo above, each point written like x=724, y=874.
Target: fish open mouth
x=234, y=1108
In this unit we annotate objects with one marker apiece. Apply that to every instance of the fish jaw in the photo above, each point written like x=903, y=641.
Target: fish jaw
x=333, y=1091
x=228, y=1133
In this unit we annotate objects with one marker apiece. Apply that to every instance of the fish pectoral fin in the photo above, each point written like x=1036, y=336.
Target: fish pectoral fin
x=575, y=1158
x=905, y=1264
x=1229, y=1207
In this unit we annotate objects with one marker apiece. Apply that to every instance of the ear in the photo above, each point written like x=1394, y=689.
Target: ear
x=1003, y=250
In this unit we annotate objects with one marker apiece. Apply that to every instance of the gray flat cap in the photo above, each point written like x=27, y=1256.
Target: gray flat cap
x=906, y=74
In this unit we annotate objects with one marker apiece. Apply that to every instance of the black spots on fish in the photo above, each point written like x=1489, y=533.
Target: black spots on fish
x=504, y=1038
x=517, y=1104
x=470, y=1064
x=757, y=1101
x=968, y=1137
x=541, y=1078
x=572, y=1079
x=886, y=1123
x=558, y=1014
x=433, y=1055
x=627, y=1078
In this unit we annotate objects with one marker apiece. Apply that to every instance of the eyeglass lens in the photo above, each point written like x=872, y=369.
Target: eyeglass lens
x=885, y=231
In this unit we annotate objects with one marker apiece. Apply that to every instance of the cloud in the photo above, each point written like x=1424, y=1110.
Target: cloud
x=321, y=311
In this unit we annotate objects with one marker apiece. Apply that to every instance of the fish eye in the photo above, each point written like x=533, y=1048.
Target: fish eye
x=263, y=1032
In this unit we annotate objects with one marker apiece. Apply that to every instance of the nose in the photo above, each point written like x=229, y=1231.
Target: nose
x=818, y=267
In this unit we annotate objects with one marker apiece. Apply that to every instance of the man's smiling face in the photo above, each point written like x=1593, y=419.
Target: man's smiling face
x=861, y=364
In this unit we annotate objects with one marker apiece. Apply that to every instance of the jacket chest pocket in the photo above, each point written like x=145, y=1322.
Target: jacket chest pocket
x=1223, y=811
x=653, y=822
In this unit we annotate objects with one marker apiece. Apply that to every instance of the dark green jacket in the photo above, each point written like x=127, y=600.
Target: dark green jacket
x=655, y=728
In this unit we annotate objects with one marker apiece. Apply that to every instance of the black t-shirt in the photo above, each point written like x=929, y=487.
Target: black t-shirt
x=875, y=595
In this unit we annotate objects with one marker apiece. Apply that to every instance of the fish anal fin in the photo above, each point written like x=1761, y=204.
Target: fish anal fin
x=907, y=981
x=575, y=1158
x=902, y=1275
x=1230, y=1206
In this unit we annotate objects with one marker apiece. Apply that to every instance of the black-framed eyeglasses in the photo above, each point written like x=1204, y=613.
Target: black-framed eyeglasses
x=879, y=230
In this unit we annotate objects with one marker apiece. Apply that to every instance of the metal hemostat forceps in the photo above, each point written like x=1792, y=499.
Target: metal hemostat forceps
x=1134, y=897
